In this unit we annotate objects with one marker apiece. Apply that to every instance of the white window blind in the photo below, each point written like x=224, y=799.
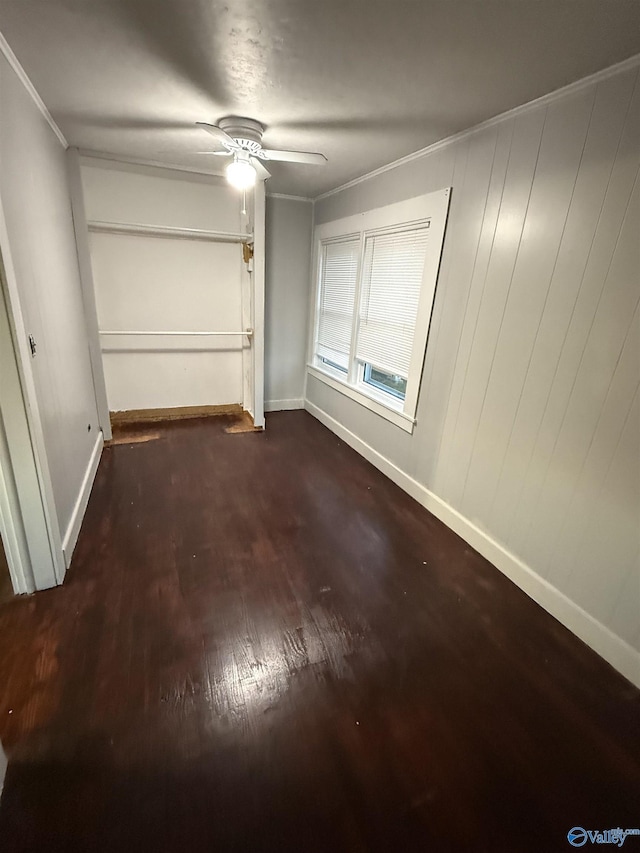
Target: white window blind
x=337, y=296
x=391, y=282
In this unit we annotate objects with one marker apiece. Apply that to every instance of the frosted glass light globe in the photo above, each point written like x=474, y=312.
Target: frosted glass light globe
x=241, y=174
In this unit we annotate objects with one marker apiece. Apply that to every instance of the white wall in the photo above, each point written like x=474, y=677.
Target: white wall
x=289, y=225
x=528, y=423
x=146, y=283
x=35, y=199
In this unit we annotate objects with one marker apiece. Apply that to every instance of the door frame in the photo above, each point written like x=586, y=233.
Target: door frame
x=28, y=517
x=11, y=528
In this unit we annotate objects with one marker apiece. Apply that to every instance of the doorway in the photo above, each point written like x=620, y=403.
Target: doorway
x=179, y=317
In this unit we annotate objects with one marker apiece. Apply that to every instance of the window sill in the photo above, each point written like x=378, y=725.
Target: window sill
x=400, y=419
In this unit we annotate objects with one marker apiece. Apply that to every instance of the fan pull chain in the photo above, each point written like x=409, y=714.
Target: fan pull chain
x=244, y=202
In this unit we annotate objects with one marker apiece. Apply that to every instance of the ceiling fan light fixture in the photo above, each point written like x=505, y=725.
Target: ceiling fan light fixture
x=241, y=174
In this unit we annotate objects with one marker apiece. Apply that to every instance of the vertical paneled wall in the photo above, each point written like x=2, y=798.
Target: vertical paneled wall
x=528, y=421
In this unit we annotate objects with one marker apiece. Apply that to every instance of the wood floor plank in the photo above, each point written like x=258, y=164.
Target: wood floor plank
x=264, y=645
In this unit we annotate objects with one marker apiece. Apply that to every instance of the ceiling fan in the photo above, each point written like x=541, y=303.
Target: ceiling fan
x=241, y=138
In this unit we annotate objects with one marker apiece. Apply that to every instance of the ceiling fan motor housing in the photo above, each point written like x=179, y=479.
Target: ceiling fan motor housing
x=246, y=132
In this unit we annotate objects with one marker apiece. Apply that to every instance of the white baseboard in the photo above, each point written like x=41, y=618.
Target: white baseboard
x=597, y=636
x=73, y=528
x=283, y=405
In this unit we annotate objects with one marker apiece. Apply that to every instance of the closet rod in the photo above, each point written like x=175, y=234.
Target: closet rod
x=247, y=332
x=165, y=231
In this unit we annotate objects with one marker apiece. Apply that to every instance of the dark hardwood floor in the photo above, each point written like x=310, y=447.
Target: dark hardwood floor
x=264, y=645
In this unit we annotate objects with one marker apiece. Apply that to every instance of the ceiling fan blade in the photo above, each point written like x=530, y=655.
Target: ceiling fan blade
x=294, y=156
x=218, y=134
x=224, y=153
x=261, y=172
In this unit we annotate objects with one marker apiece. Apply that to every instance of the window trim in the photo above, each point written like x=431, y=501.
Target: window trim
x=357, y=394
x=431, y=207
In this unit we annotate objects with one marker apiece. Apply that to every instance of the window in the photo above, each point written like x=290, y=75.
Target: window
x=392, y=383
x=393, y=265
x=376, y=277
x=339, y=264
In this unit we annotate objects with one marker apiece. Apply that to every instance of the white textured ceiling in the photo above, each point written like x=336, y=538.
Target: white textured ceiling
x=364, y=81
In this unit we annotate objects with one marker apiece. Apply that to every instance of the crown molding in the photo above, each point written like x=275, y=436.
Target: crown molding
x=557, y=94
x=12, y=59
x=290, y=197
